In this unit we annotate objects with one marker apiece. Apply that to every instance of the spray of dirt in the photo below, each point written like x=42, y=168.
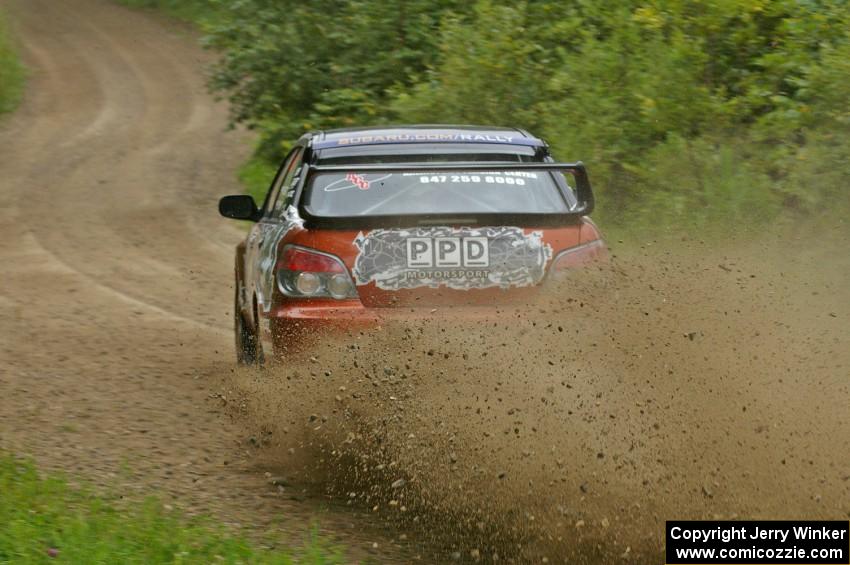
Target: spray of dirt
x=670, y=384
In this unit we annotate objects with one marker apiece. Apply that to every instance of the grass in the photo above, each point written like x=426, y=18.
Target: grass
x=11, y=71
x=43, y=518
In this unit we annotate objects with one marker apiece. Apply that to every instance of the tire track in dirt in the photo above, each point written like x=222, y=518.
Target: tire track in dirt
x=116, y=298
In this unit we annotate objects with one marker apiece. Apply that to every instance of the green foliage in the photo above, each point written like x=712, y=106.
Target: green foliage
x=290, y=66
x=11, y=71
x=486, y=73
x=43, y=517
x=689, y=116
x=717, y=113
x=256, y=175
x=704, y=184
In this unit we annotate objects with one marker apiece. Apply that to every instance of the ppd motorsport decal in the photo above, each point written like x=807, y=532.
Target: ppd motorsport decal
x=461, y=258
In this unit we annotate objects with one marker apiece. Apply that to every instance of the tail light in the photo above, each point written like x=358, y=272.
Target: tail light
x=577, y=256
x=307, y=273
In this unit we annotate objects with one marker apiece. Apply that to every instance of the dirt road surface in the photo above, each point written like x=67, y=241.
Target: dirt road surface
x=692, y=381
x=115, y=301
x=696, y=381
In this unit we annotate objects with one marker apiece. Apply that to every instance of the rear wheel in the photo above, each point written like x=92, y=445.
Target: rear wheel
x=249, y=350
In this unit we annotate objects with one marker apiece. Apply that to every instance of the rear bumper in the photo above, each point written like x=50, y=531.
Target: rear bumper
x=296, y=327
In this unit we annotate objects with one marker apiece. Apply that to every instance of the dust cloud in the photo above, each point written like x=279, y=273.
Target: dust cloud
x=678, y=381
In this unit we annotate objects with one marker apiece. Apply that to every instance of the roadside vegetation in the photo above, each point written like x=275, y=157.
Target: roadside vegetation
x=43, y=517
x=256, y=175
x=691, y=116
x=11, y=70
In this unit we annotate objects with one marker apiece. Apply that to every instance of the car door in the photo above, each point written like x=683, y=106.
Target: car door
x=262, y=243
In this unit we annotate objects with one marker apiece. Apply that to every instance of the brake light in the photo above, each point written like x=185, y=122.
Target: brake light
x=577, y=256
x=304, y=272
x=303, y=259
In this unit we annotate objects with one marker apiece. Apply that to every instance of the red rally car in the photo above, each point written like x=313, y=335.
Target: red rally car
x=370, y=224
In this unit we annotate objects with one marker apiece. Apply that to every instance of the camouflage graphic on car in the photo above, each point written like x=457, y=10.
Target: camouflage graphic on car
x=270, y=236
x=458, y=258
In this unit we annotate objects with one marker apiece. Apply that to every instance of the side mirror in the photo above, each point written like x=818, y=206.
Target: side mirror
x=239, y=207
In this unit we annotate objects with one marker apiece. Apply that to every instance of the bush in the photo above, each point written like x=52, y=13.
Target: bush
x=725, y=113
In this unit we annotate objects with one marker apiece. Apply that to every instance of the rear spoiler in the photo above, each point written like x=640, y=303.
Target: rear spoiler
x=584, y=194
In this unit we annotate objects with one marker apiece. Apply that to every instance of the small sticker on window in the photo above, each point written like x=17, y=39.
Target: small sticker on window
x=354, y=180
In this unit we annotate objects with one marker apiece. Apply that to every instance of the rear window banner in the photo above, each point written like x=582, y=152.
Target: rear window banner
x=458, y=258
x=492, y=177
x=400, y=137
x=412, y=137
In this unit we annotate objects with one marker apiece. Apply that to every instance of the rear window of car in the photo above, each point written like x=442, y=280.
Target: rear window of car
x=353, y=193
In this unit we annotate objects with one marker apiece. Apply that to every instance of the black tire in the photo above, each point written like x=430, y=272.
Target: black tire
x=249, y=350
